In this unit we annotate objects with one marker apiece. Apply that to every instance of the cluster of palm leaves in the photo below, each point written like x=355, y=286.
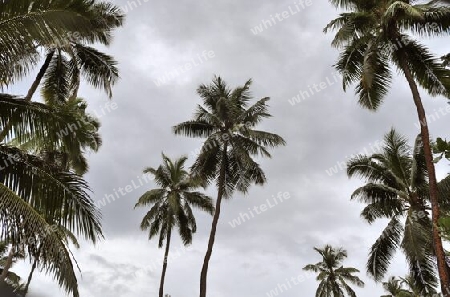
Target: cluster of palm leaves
x=44, y=202
x=404, y=287
x=397, y=189
x=376, y=37
x=227, y=121
x=333, y=277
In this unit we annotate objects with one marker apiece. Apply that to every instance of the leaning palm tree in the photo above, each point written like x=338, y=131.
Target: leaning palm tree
x=373, y=36
x=172, y=205
x=34, y=191
x=397, y=189
x=28, y=25
x=332, y=275
x=69, y=56
x=228, y=122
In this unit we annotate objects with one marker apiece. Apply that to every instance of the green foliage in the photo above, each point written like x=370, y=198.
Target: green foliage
x=441, y=148
x=373, y=36
x=29, y=24
x=397, y=189
x=405, y=287
x=333, y=278
x=228, y=123
x=171, y=203
x=45, y=204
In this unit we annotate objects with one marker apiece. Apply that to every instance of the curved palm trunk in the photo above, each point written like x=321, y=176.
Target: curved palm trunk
x=437, y=241
x=32, y=89
x=39, y=76
x=212, y=235
x=163, y=275
x=8, y=264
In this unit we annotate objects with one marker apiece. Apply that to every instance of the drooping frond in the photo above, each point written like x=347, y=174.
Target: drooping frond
x=427, y=70
x=61, y=196
x=383, y=249
x=99, y=69
x=57, y=260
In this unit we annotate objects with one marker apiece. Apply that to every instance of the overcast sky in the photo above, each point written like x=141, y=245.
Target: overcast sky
x=322, y=131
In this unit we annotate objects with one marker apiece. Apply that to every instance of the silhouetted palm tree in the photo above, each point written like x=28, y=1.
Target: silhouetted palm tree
x=172, y=205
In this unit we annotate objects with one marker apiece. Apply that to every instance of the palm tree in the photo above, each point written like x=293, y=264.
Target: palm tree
x=31, y=24
x=375, y=34
x=394, y=287
x=38, y=187
x=72, y=57
x=228, y=123
x=34, y=191
x=332, y=275
x=397, y=188
x=172, y=205
x=69, y=56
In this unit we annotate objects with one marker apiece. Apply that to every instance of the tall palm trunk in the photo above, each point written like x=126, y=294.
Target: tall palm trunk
x=166, y=254
x=32, y=89
x=8, y=264
x=212, y=235
x=40, y=76
x=437, y=241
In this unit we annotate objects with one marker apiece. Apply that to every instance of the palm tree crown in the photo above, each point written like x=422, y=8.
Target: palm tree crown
x=172, y=205
x=397, y=189
x=333, y=277
x=374, y=33
x=172, y=202
x=228, y=123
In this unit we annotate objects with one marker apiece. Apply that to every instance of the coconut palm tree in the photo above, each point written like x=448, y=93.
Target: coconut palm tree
x=69, y=56
x=34, y=191
x=376, y=35
x=172, y=205
x=28, y=25
x=397, y=189
x=394, y=287
x=228, y=122
x=38, y=187
x=332, y=275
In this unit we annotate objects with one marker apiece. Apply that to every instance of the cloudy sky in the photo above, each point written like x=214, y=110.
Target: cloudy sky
x=322, y=131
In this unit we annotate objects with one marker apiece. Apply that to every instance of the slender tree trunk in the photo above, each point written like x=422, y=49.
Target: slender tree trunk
x=166, y=255
x=8, y=264
x=31, y=91
x=40, y=76
x=212, y=235
x=437, y=241
x=30, y=276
